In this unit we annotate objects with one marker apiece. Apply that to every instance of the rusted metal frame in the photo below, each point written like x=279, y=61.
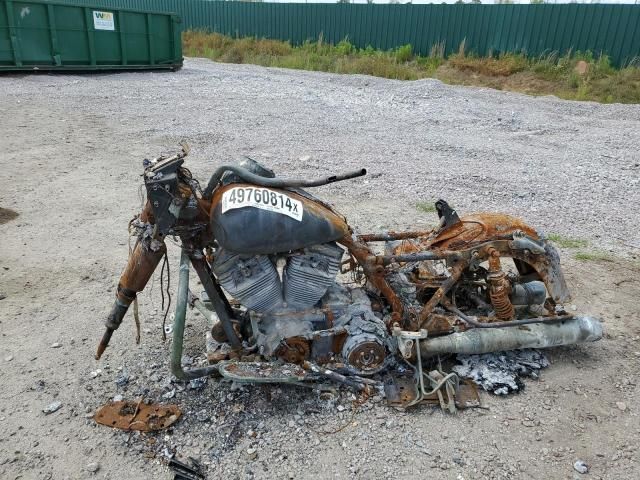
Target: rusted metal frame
x=385, y=237
x=178, y=327
x=546, y=265
x=373, y=266
x=463, y=260
x=375, y=274
x=473, y=323
x=427, y=309
x=478, y=253
x=217, y=298
x=499, y=287
x=420, y=257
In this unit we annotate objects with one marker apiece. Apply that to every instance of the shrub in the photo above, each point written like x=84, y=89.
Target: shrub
x=404, y=53
x=344, y=47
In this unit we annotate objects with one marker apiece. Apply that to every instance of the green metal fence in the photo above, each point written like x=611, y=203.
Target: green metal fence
x=532, y=29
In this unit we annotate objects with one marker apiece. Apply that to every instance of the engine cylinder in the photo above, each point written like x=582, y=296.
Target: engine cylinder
x=251, y=279
x=309, y=274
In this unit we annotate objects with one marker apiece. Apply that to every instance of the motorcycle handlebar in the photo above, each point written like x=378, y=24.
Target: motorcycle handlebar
x=275, y=182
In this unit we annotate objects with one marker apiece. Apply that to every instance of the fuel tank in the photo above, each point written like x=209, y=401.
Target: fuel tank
x=248, y=218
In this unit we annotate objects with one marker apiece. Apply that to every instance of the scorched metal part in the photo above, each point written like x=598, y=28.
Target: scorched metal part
x=269, y=256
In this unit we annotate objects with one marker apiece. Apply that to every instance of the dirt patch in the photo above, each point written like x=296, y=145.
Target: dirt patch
x=524, y=82
x=6, y=215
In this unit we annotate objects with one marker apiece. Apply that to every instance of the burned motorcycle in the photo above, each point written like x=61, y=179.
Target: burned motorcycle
x=269, y=254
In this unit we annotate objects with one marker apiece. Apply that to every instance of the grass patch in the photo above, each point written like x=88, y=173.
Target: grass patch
x=502, y=66
x=426, y=207
x=567, y=242
x=593, y=256
x=544, y=75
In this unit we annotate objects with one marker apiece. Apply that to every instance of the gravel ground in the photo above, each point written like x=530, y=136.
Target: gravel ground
x=72, y=149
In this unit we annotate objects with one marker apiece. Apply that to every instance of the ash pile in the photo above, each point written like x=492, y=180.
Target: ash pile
x=501, y=373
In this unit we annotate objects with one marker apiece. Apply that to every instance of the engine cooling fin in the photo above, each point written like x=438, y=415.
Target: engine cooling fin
x=252, y=280
x=309, y=274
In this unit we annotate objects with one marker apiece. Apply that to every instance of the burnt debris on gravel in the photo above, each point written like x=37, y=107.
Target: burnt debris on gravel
x=501, y=373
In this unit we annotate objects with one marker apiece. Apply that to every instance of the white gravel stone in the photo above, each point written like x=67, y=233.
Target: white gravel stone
x=52, y=407
x=581, y=467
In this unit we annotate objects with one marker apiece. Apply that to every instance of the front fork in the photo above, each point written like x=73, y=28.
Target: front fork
x=142, y=263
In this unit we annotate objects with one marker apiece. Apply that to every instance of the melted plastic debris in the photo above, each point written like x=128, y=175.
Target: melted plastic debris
x=501, y=373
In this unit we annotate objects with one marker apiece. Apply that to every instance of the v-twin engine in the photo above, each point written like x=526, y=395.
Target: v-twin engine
x=300, y=312
x=255, y=282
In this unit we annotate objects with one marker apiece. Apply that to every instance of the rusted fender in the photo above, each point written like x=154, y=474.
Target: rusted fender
x=478, y=228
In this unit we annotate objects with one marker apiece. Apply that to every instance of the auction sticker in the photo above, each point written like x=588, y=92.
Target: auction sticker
x=103, y=20
x=263, y=198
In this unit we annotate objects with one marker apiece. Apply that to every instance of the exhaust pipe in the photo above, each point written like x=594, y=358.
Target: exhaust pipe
x=538, y=335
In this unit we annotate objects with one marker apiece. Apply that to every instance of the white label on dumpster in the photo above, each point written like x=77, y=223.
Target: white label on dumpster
x=103, y=20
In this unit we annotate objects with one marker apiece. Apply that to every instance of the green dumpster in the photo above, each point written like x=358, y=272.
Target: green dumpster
x=40, y=35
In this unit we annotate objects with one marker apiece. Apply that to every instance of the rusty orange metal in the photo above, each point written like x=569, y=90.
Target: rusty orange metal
x=294, y=350
x=383, y=237
x=499, y=287
x=424, y=319
x=146, y=216
x=375, y=274
x=141, y=265
x=477, y=228
x=139, y=416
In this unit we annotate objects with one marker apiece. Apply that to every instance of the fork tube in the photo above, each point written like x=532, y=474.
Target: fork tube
x=178, y=328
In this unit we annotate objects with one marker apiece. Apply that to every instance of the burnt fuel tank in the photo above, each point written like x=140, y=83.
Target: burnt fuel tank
x=248, y=218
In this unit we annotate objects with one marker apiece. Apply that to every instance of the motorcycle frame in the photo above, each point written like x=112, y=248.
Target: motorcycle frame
x=195, y=235
x=373, y=267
